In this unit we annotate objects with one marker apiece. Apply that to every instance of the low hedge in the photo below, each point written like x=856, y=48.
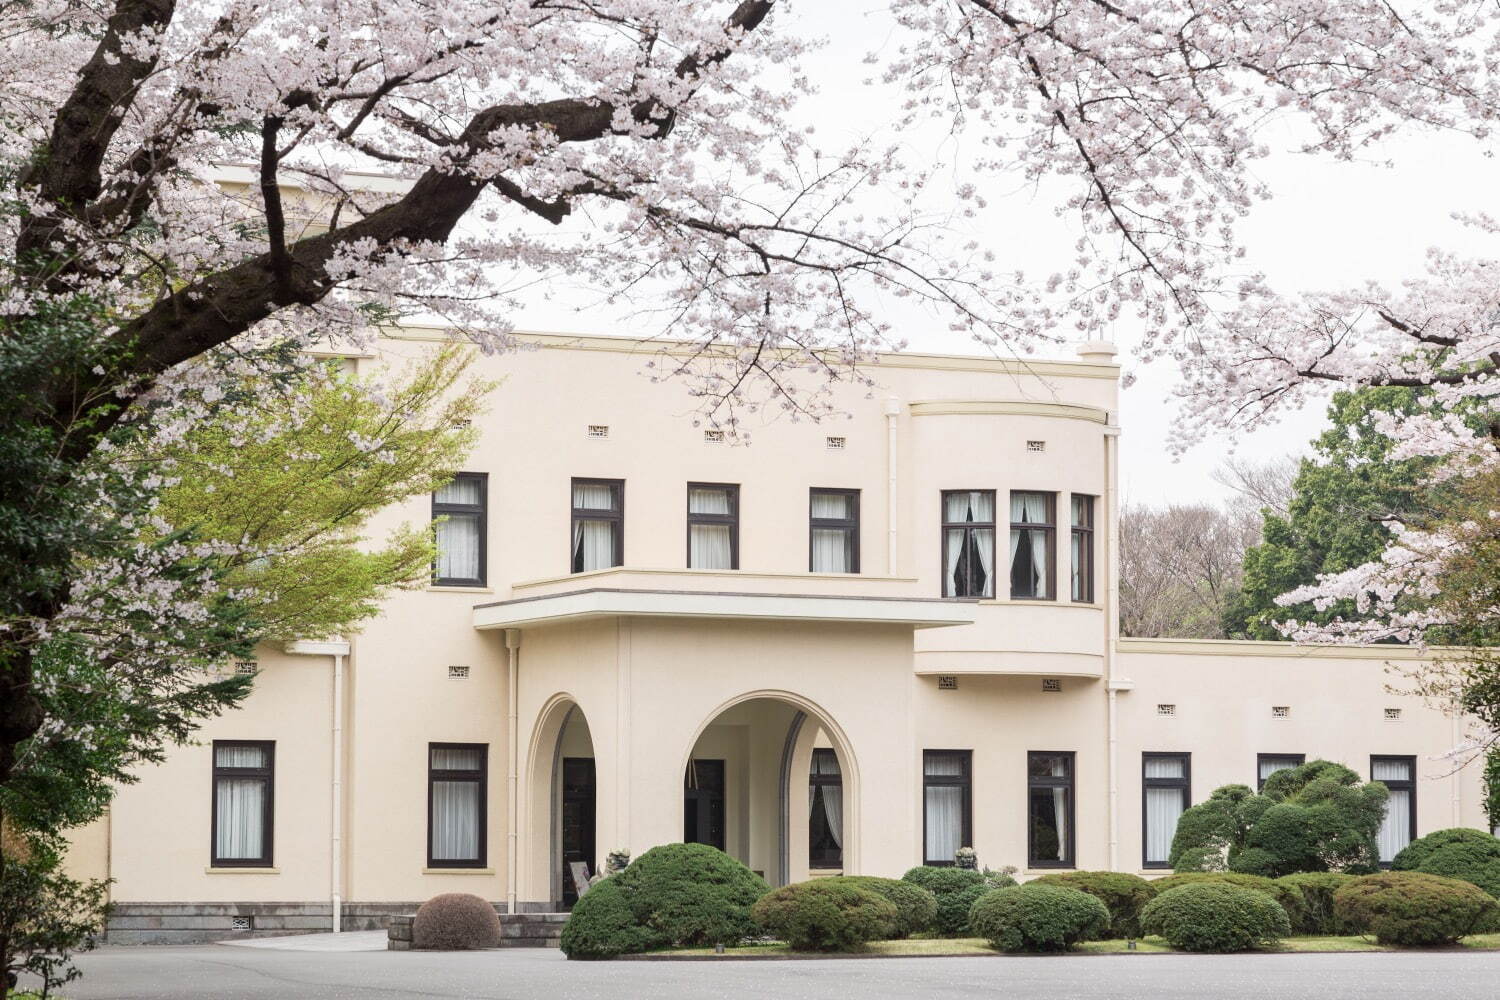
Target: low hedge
x=1215, y=916
x=1413, y=908
x=824, y=915
x=691, y=894
x=1121, y=893
x=1289, y=896
x=1471, y=855
x=938, y=880
x=1036, y=917
x=915, y=906
x=1317, y=889
x=603, y=926
x=455, y=921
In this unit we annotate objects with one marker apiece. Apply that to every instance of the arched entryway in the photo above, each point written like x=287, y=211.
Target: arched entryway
x=771, y=780
x=563, y=807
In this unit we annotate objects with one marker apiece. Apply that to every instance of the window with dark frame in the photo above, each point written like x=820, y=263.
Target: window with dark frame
x=598, y=537
x=833, y=531
x=1399, y=827
x=1050, y=808
x=1032, y=528
x=244, y=780
x=458, y=510
x=825, y=824
x=1267, y=764
x=457, y=782
x=1082, y=545
x=947, y=804
x=969, y=543
x=713, y=520
x=1166, y=793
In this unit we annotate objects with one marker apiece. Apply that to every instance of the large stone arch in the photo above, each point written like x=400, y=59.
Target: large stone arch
x=540, y=852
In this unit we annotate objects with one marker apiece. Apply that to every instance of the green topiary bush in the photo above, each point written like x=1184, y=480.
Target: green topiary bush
x=1289, y=896
x=955, y=890
x=1037, y=917
x=915, y=906
x=943, y=880
x=952, y=916
x=691, y=894
x=602, y=926
x=1317, y=889
x=455, y=921
x=824, y=915
x=1471, y=855
x=1211, y=915
x=1413, y=908
x=1121, y=893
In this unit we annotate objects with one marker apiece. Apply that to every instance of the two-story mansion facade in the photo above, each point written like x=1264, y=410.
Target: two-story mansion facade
x=854, y=645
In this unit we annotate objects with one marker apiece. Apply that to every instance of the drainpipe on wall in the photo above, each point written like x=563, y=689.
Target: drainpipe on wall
x=337, y=649
x=892, y=495
x=512, y=780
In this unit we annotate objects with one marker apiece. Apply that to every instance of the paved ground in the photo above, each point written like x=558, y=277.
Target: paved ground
x=225, y=973
x=347, y=941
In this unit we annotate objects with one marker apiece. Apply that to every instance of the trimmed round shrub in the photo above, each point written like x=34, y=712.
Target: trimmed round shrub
x=1122, y=894
x=1289, y=896
x=455, y=921
x=1215, y=916
x=952, y=916
x=691, y=894
x=824, y=915
x=940, y=881
x=1413, y=908
x=1036, y=917
x=1471, y=855
x=915, y=906
x=955, y=889
x=1317, y=889
x=602, y=926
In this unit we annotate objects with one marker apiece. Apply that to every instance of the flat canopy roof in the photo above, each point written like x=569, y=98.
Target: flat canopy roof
x=601, y=602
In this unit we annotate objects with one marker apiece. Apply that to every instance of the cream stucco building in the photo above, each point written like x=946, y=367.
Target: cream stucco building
x=853, y=646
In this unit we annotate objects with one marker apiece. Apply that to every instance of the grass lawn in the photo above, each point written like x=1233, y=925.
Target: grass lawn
x=976, y=946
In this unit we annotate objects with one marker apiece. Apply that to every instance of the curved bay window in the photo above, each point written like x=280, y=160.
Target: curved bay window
x=1031, y=527
x=825, y=808
x=969, y=543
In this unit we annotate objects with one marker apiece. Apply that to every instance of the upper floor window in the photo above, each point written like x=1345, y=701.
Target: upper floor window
x=713, y=526
x=969, y=543
x=1083, y=548
x=1267, y=764
x=834, y=524
x=244, y=778
x=459, y=510
x=598, y=524
x=1031, y=528
x=1400, y=824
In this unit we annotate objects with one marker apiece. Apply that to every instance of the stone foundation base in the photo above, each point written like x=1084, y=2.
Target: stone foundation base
x=195, y=923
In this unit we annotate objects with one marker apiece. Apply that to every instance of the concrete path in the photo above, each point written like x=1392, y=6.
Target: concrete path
x=344, y=941
x=200, y=971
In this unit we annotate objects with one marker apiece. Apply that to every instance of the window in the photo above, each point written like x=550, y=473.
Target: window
x=713, y=526
x=244, y=786
x=460, y=533
x=456, y=780
x=1083, y=549
x=1049, y=786
x=1267, y=764
x=825, y=798
x=1165, y=795
x=1399, y=774
x=834, y=531
x=947, y=815
x=1031, y=527
x=598, y=524
x=969, y=543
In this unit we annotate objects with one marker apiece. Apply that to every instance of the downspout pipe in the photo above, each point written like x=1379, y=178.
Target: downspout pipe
x=512, y=770
x=337, y=650
x=892, y=488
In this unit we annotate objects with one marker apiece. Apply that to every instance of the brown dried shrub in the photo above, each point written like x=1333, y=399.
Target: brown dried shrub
x=455, y=921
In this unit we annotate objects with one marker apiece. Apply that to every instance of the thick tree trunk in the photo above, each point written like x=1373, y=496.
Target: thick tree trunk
x=20, y=712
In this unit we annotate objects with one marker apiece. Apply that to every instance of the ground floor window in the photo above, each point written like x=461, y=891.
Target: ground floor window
x=456, y=805
x=703, y=803
x=825, y=811
x=1049, y=780
x=1399, y=774
x=1267, y=764
x=947, y=812
x=1164, y=798
x=242, y=807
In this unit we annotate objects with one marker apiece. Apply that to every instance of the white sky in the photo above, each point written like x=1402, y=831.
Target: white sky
x=1329, y=225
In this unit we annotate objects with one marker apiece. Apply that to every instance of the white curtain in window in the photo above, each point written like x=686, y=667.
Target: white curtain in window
x=1077, y=555
x=1060, y=812
x=1028, y=508
x=955, y=548
x=708, y=501
x=1038, y=562
x=1163, y=809
x=984, y=545
x=709, y=547
x=458, y=547
x=945, y=821
x=1080, y=512
x=975, y=505
x=1395, y=829
x=457, y=759
x=1165, y=767
x=833, y=811
x=832, y=551
x=455, y=820
x=830, y=505
x=459, y=491
x=239, y=756
x=241, y=806
x=1274, y=764
x=593, y=545
x=593, y=496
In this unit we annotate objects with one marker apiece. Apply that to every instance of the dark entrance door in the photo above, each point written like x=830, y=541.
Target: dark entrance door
x=703, y=806
x=577, y=820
